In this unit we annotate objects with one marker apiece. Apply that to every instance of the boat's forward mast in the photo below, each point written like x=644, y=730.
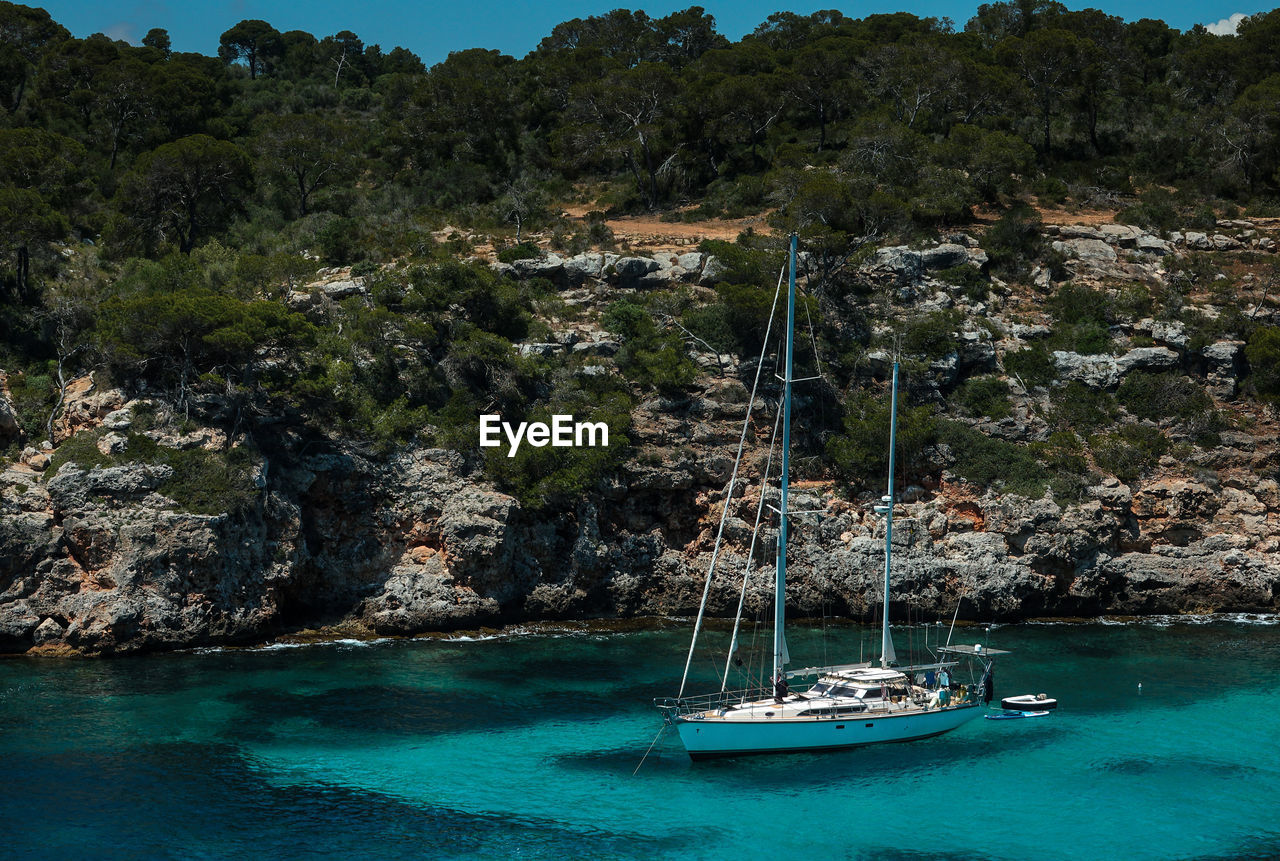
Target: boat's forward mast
x=780, y=656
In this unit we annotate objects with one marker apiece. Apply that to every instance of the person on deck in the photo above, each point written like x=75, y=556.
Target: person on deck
x=780, y=688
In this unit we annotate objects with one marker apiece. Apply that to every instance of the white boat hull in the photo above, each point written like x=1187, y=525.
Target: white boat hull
x=706, y=737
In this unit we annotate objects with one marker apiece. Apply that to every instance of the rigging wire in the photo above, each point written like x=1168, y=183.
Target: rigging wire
x=650, y=750
x=728, y=500
x=751, y=553
x=817, y=359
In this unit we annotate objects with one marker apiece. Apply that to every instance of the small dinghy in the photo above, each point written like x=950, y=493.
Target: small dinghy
x=1029, y=703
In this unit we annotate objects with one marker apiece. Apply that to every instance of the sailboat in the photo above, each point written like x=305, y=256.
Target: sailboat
x=847, y=705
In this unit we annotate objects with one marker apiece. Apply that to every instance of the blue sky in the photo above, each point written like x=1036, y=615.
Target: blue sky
x=433, y=29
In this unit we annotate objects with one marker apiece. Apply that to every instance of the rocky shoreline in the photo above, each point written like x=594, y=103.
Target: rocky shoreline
x=100, y=561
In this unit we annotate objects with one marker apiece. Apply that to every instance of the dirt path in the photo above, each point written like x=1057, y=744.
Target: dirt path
x=652, y=233
x=1091, y=217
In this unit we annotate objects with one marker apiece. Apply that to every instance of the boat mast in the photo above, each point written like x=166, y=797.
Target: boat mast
x=780, y=586
x=887, y=654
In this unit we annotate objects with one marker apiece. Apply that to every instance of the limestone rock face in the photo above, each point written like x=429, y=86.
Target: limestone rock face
x=1098, y=372
x=1223, y=367
x=1087, y=249
x=1148, y=359
x=102, y=561
x=944, y=256
x=899, y=260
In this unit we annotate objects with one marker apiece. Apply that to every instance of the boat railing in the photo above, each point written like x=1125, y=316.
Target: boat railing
x=672, y=706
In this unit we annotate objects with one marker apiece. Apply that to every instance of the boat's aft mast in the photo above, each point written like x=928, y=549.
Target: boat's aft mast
x=886, y=641
x=780, y=587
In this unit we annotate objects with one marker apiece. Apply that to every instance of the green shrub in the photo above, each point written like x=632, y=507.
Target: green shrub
x=1129, y=452
x=1050, y=189
x=1231, y=323
x=861, y=453
x=1162, y=396
x=975, y=284
x=649, y=355
x=1074, y=304
x=1063, y=456
x=522, y=251
x=743, y=263
x=987, y=462
x=1132, y=302
x=984, y=396
x=34, y=393
x=711, y=323
x=1078, y=408
x=1155, y=210
x=1034, y=365
x=202, y=482
x=1014, y=240
x=1263, y=353
x=81, y=449
x=931, y=336
x=737, y=322
x=1068, y=486
x=1088, y=338
x=547, y=476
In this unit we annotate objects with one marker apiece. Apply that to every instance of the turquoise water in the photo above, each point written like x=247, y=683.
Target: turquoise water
x=523, y=746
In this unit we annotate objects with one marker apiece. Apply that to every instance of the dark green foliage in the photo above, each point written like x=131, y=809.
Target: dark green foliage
x=256, y=42
x=991, y=159
x=861, y=453
x=738, y=321
x=1063, y=456
x=1088, y=339
x=1033, y=365
x=34, y=392
x=931, y=336
x=975, y=284
x=542, y=477
x=522, y=251
x=1263, y=353
x=202, y=482
x=743, y=263
x=1078, y=408
x=1130, y=452
x=1154, y=211
x=286, y=152
x=1073, y=303
x=181, y=191
x=1162, y=396
x=1132, y=302
x=984, y=397
x=1050, y=189
x=649, y=355
x=167, y=328
x=1082, y=317
x=988, y=462
x=1013, y=242
x=711, y=325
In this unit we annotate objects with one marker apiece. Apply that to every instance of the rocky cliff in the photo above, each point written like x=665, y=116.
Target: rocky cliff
x=105, y=559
